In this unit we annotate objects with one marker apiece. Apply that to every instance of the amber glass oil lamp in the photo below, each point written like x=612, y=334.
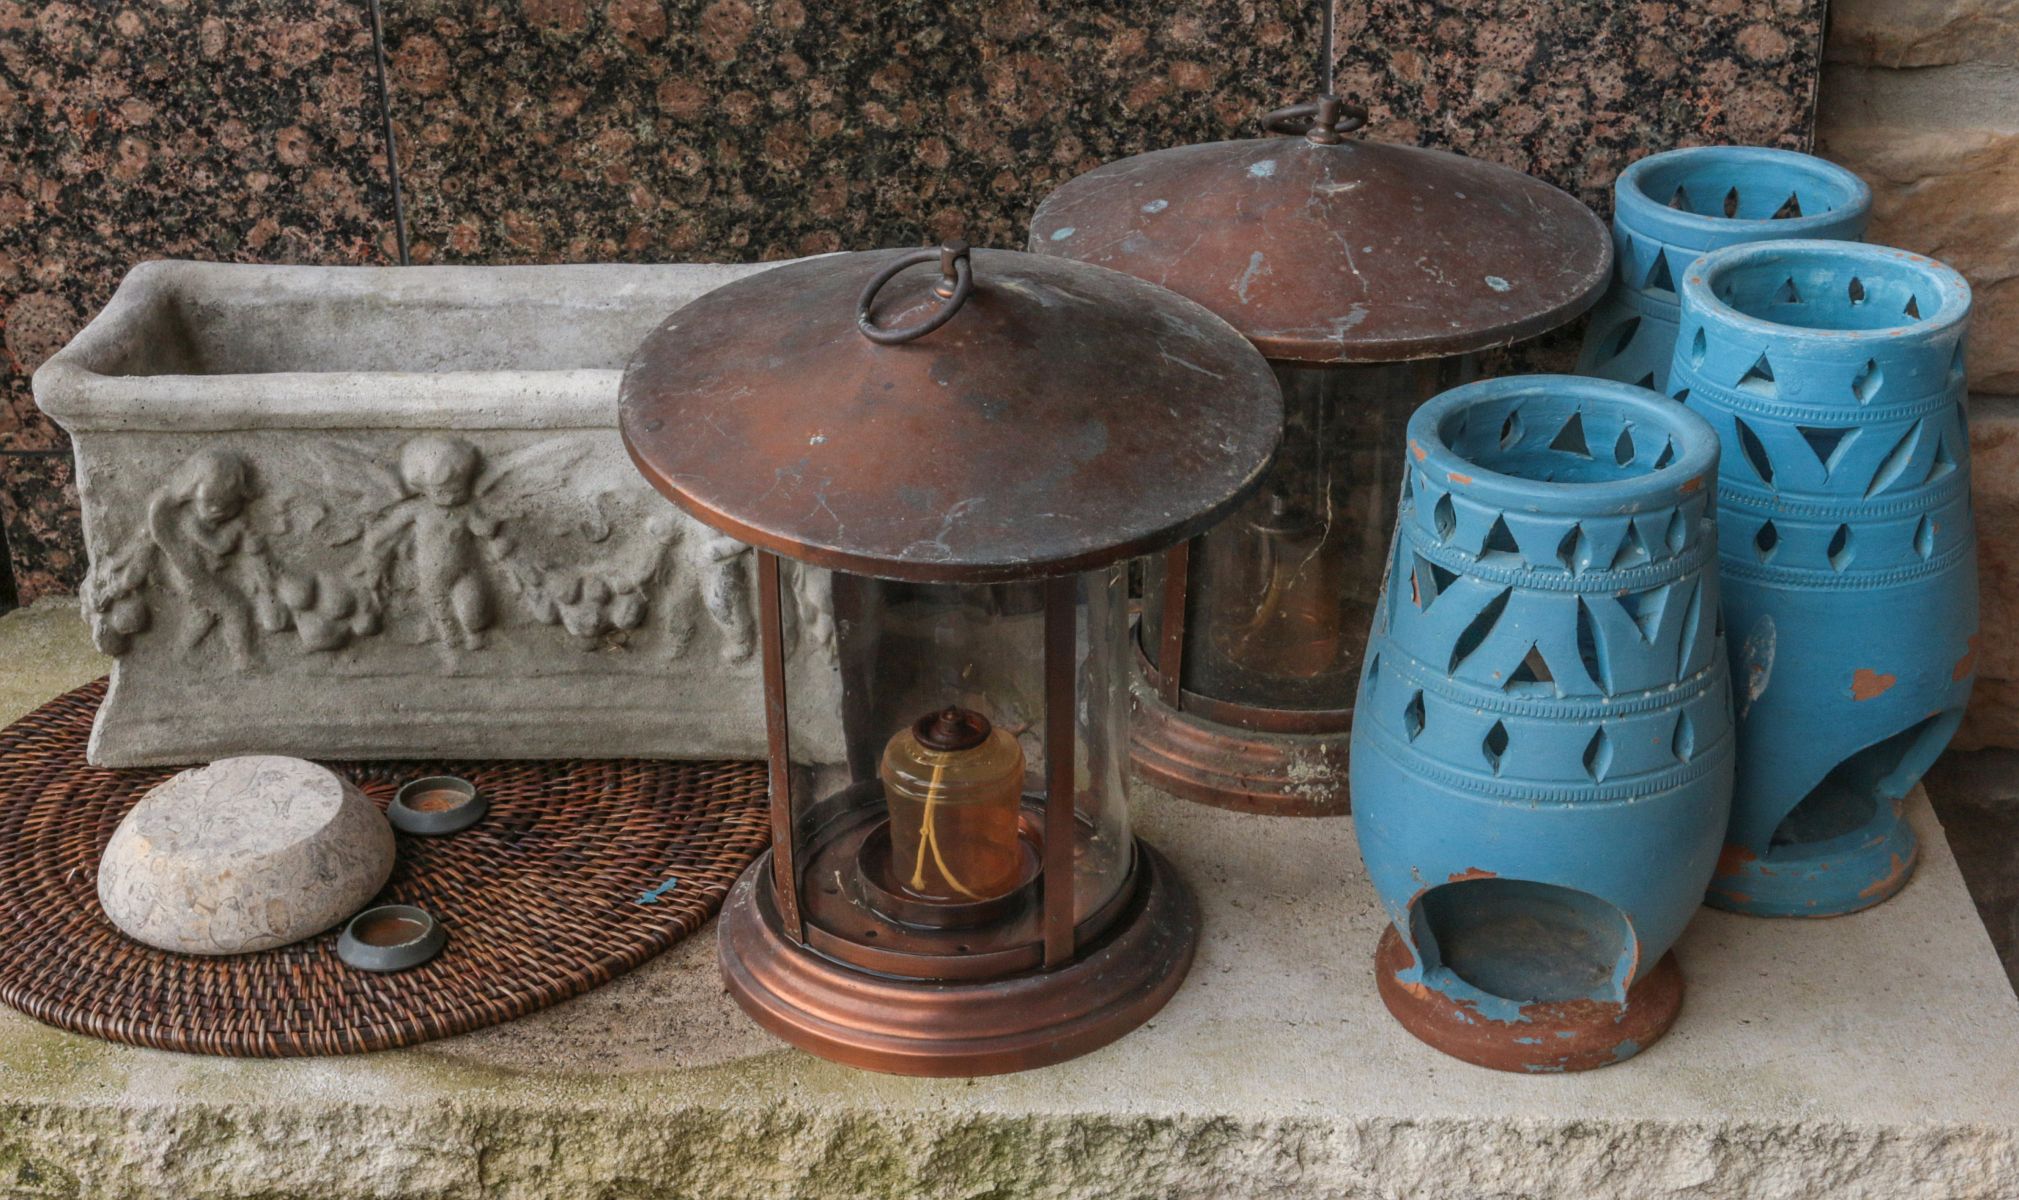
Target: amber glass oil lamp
x=967, y=447
x=1370, y=275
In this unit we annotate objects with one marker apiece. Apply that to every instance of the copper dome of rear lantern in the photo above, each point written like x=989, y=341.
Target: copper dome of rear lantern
x=1324, y=248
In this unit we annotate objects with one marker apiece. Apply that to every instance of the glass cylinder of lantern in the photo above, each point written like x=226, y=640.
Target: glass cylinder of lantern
x=955, y=460
x=1369, y=275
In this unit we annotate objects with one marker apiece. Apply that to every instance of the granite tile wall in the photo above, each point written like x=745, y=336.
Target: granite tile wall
x=559, y=130
x=239, y=129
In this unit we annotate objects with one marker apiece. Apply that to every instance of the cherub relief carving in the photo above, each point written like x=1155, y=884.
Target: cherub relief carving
x=200, y=544
x=433, y=529
x=446, y=541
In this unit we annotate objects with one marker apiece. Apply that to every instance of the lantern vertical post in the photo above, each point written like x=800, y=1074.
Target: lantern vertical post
x=1177, y=574
x=778, y=741
x=1060, y=742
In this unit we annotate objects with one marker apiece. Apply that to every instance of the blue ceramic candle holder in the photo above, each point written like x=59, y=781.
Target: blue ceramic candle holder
x=1833, y=373
x=1670, y=208
x=1542, y=750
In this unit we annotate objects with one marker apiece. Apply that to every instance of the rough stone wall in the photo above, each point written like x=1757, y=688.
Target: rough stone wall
x=1921, y=97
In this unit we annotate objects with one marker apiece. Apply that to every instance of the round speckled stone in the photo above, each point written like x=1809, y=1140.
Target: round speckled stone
x=245, y=854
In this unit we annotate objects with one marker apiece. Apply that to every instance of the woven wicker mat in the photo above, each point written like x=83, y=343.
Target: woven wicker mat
x=581, y=871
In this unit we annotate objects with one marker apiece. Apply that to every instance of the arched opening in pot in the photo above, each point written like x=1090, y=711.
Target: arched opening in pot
x=1849, y=796
x=1524, y=941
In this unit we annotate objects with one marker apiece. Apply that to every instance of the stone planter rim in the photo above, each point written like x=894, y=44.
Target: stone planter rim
x=1645, y=213
x=1950, y=290
x=1696, y=448
x=81, y=389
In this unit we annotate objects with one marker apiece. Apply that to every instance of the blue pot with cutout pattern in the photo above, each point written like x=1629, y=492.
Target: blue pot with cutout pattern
x=1542, y=745
x=1669, y=209
x=1833, y=373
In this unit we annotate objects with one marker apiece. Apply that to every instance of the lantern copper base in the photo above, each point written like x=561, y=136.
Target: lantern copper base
x=1247, y=770
x=1568, y=1035
x=960, y=1028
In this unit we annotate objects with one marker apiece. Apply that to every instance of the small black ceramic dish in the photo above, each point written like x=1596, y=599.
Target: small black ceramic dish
x=390, y=937
x=436, y=805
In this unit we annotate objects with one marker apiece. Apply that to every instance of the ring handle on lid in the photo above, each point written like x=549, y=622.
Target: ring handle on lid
x=955, y=286
x=1321, y=121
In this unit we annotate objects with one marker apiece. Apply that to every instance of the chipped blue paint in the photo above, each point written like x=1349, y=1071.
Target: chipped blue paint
x=1063, y=232
x=1262, y=169
x=1497, y=283
x=1833, y=372
x=1625, y=1050
x=1156, y=206
x=1542, y=734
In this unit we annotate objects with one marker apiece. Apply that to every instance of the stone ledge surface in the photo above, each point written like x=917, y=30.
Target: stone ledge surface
x=1866, y=1056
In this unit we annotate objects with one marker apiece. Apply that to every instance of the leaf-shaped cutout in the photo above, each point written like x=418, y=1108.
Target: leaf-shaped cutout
x=1623, y=449
x=1428, y=582
x=1913, y=309
x=1570, y=438
x=1895, y=463
x=1500, y=538
x=1494, y=745
x=1682, y=396
x=1855, y=290
x=1759, y=378
x=1667, y=454
x=1588, y=654
x=1645, y=381
x=1698, y=346
x=1924, y=539
x=1532, y=668
x=1755, y=452
x=1791, y=207
x=1840, y=548
x=1620, y=338
x=1826, y=443
x=1412, y=716
x=1632, y=550
x=1868, y=382
x=1510, y=429
x=1788, y=293
x=1732, y=203
x=1598, y=756
x=1569, y=549
x=1373, y=667
x=1659, y=277
x=1956, y=361
x=1475, y=630
x=1681, y=200
x=1646, y=607
x=1445, y=514
x=1683, y=742
x=1692, y=619
x=1944, y=461
x=1678, y=532
x=1766, y=541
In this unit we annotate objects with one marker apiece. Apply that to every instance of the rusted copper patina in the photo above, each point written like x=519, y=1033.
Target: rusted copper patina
x=1062, y=418
x=1367, y=273
x=992, y=436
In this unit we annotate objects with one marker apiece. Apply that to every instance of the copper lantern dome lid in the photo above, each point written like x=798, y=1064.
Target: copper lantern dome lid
x=950, y=415
x=1322, y=248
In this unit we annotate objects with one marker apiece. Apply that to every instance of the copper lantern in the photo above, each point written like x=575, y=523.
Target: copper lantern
x=964, y=448
x=1369, y=274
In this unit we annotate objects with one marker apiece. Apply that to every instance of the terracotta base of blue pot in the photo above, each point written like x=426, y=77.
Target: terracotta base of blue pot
x=1548, y=1036
x=1844, y=874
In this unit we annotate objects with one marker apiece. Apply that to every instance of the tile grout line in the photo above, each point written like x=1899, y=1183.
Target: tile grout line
x=386, y=124
x=1328, y=39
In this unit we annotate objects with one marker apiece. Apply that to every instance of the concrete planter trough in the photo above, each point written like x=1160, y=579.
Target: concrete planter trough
x=367, y=512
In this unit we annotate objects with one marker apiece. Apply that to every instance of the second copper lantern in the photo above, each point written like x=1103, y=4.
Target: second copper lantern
x=1369, y=275
x=952, y=887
